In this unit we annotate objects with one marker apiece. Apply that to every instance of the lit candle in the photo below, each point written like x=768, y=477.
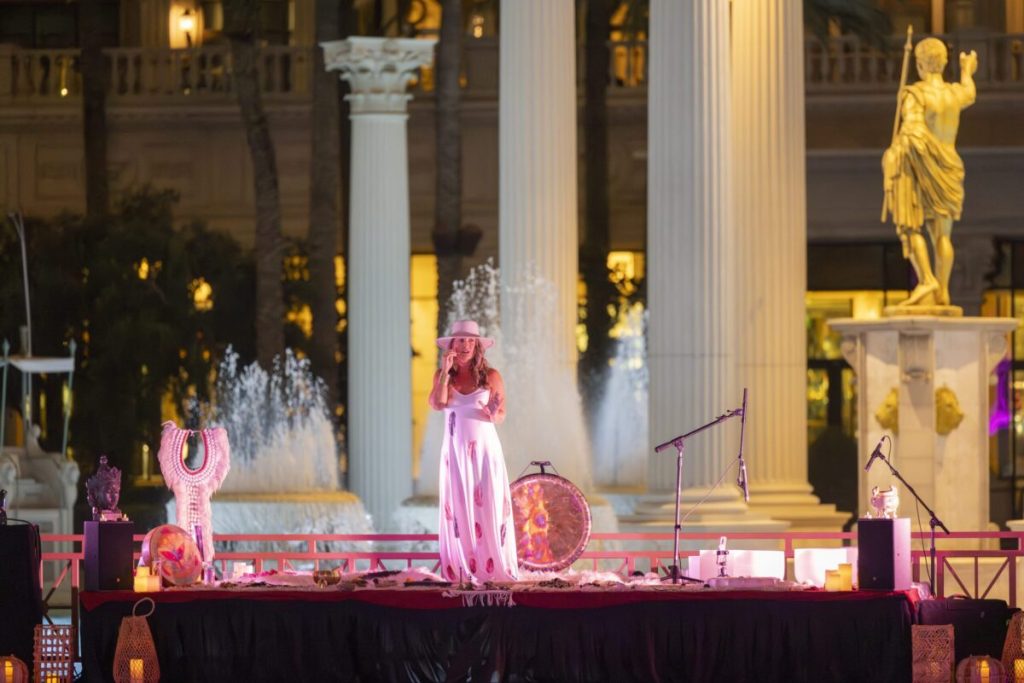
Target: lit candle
x=135, y=671
x=846, y=576
x=146, y=583
x=9, y=670
x=833, y=581
x=983, y=670
x=1018, y=671
x=52, y=678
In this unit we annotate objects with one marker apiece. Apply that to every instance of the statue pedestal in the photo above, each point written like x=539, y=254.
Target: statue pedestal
x=924, y=381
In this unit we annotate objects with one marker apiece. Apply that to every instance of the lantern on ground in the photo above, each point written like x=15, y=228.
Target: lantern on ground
x=135, y=659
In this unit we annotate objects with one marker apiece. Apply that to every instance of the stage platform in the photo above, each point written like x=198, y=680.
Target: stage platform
x=576, y=634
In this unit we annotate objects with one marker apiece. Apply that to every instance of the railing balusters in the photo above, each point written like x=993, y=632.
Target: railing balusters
x=842, y=64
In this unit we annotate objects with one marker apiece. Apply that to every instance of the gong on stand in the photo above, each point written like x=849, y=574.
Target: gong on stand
x=552, y=519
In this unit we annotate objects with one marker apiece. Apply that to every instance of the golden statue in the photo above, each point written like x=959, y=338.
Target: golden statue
x=924, y=176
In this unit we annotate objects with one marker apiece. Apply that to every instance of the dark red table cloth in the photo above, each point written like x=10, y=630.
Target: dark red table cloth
x=421, y=635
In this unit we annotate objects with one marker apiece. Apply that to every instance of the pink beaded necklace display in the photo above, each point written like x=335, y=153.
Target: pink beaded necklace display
x=193, y=488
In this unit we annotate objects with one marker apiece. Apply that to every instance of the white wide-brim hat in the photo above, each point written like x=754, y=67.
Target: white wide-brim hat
x=465, y=328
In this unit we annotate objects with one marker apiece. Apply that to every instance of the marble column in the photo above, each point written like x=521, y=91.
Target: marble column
x=379, y=370
x=538, y=238
x=691, y=261
x=154, y=22
x=771, y=249
x=537, y=204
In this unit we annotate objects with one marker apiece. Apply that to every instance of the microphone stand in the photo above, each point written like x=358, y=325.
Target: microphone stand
x=933, y=520
x=680, y=444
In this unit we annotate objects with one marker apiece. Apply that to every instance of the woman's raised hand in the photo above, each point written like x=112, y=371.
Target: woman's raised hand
x=447, y=361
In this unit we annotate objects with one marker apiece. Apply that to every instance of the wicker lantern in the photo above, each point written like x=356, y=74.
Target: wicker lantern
x=1013, y=647
x=932, y=648
x=135, y=658
x=980, y=668
x=13, y=670
x=54, y=653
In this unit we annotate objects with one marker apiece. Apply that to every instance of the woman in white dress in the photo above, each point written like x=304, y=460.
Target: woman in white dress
x=476, y=537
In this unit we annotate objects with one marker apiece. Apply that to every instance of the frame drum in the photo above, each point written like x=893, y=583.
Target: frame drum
x=552, y=521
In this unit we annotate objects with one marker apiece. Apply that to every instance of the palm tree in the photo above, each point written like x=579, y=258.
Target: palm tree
x=860, y=17
x=448, y=130
x=325, y=186
x=601, y=292
x=94, y=108
x=241, y=24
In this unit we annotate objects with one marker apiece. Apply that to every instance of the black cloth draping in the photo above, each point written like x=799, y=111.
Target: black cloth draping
x=408, y=635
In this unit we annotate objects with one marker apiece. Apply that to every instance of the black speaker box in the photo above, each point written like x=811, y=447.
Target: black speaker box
x=883, y=554
x=108, y=555
x=979, y=626
x=21, y=596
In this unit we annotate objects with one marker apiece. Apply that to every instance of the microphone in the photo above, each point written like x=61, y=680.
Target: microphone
x=877, y=453
x=741, y=479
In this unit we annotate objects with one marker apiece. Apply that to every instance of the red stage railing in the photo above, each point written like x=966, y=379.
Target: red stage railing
x=621, y=553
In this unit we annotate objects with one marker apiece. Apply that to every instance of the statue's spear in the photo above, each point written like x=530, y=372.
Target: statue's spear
x=907, y=49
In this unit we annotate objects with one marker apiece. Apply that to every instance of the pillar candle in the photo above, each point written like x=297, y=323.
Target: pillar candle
x=983, y=671
x=136, y=671
x=833, y=581
x=146, y=583
x=846, y=576
x=9, y=671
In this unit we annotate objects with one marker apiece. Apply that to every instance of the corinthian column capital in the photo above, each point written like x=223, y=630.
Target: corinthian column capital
x=378, y=69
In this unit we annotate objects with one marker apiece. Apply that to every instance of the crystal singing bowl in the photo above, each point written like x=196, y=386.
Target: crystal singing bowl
x=552, y=520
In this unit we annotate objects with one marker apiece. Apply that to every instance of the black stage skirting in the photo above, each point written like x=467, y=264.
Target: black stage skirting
x=420, y=635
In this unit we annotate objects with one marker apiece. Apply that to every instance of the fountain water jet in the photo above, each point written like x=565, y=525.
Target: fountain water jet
x=284, y=456
x=620, y=428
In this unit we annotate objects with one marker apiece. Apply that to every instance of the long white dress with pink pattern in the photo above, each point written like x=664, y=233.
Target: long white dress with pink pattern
x=476, y=537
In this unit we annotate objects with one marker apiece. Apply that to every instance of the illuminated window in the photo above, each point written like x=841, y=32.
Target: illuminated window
x=423, y=333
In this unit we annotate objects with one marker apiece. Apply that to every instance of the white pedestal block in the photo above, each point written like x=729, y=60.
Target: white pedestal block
x=901, y=364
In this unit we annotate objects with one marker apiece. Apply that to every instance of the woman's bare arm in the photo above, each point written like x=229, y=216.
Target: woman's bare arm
x=495, y=408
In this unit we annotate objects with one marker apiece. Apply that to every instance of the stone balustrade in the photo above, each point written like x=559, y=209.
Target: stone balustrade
x=148, y=74
x=843, y=66
x=848, y=65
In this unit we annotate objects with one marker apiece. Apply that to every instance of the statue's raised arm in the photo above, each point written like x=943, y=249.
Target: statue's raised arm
x=924, y=175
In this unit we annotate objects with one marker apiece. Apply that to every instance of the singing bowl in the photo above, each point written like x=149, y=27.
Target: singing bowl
x=552, y=521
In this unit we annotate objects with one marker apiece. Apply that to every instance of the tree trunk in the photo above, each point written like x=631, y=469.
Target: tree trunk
x=241, y=19
x=325, y=185
x=594, y=251
x=349, y=26
x=448, y=198
x=94, y=109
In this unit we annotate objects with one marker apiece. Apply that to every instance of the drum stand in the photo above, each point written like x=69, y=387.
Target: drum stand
x=680, y=443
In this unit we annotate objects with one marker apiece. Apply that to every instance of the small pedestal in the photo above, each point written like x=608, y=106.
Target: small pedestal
x=924, y=381
x=108, y=555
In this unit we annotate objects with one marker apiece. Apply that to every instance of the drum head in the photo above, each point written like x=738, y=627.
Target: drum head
x=552, y=521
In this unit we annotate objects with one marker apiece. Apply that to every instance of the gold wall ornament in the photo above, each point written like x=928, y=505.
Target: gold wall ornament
x=924, y=175
x=888, y=414
x=948, y=414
